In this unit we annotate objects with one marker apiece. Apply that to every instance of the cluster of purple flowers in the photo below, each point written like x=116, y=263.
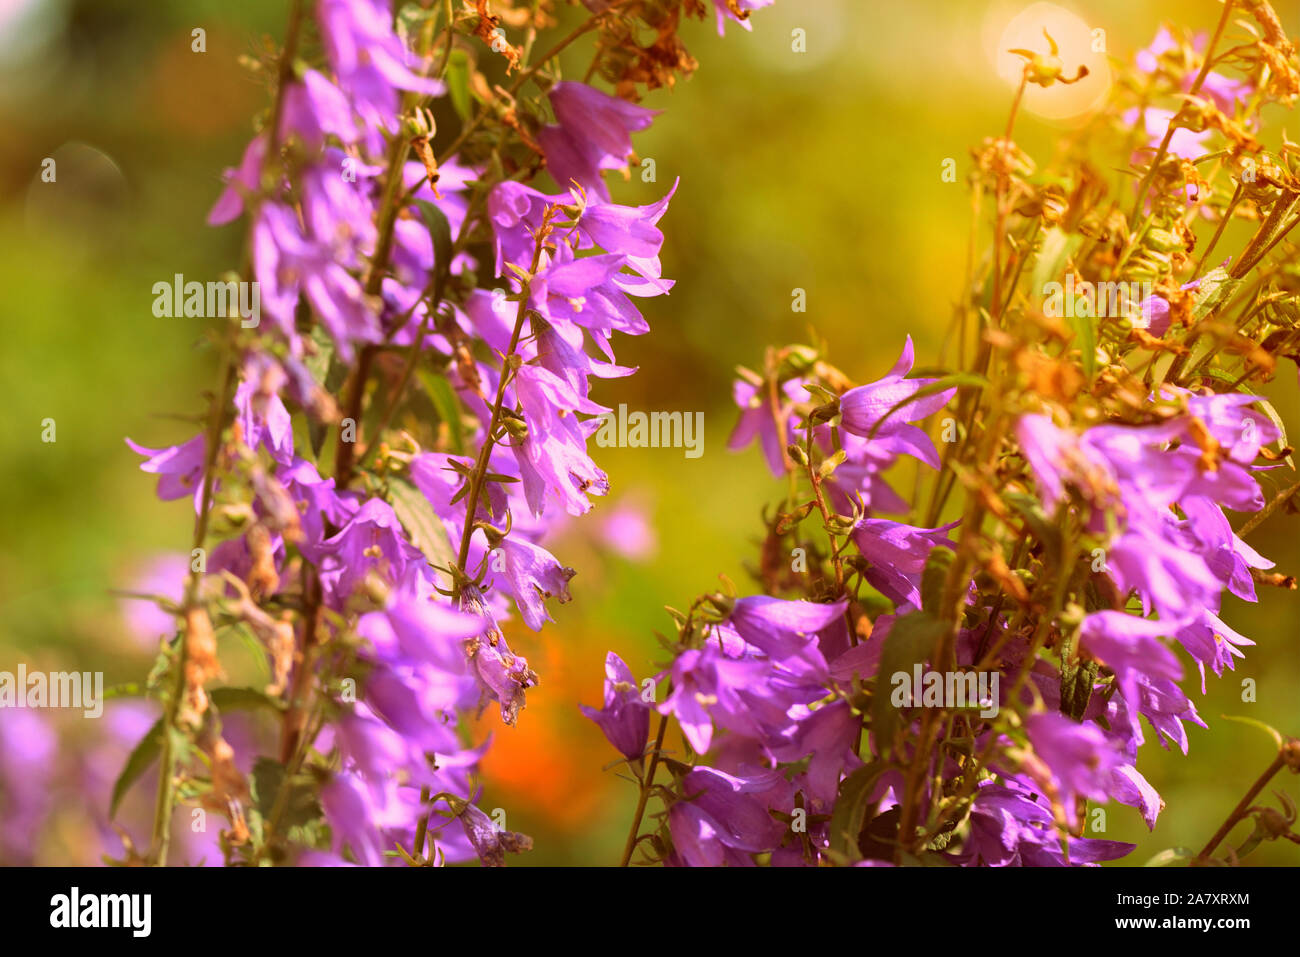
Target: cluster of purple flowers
x=775, y=676
x=378, y=588
x=1163, y=58
x=765, y=695
x=57, y=776
x=429, y=646
x=1118, y=537
x=1154, y=497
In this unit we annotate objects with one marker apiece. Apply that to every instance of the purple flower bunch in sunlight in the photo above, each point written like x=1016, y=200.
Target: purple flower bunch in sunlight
x=761, y=686
x=376, y=557
x=769, y=693
x=1171, y=65
x=989, y=584
x=954, y=657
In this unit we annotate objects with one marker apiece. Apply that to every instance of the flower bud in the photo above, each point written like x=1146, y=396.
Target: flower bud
x=231, y=518
x=1291, y=755
x=1163, y=240
x=515, y=425
x=798, y=360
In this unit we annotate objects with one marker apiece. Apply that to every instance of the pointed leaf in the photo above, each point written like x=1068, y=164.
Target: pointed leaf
x=422, y=524
x=911, y=640
x=851, y=809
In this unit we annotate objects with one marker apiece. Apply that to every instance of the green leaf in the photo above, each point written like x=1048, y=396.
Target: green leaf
x=911, y=640
x=1218, y=375
x=330, y=374
x=1268, y=729
x=435, y=221
x=457, y=77
x=146, y=751
x=933, y=578
x=1077, y=682
x=409, y=19
x=1028, y=507
x=1267, y=408
x=851, y=809
x=243, y=699
x=317, y=362
x=300, y=805
x=447, y=405
x=1056, y=249
x=421, y=522
x=1214, y=289
x=1085, y=334
x=138, y=762
x=241, y=632
x=1171, y=856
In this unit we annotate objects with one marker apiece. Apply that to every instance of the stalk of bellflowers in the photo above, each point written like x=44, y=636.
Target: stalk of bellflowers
x=387, y=453
x=966, y=685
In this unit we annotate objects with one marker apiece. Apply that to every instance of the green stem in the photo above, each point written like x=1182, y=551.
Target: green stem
x=1227, y=215
x=1259, y=517
x=477, y=477
x=1169, y=132
x=647, y=783
x=1240, y=810
x=481, y=116
x=413, y=358
x=164, y=799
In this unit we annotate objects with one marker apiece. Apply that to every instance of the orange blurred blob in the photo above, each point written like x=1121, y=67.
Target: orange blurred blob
x=554, y=757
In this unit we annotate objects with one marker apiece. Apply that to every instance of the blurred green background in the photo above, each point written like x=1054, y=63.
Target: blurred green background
x=819, y=171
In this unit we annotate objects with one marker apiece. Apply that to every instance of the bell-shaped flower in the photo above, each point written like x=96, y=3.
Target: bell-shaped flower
x=625, y=717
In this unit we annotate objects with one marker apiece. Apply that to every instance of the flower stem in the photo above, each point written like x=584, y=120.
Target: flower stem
x=647, y=783
x=478, y=476
x=1227, y=215
x=164, y=799
x=1169, y=132
x=345, y=452
x=433, y=303
x=1240, y=810
x=1259, y=517
x=1001, y=205
x=525, y=76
